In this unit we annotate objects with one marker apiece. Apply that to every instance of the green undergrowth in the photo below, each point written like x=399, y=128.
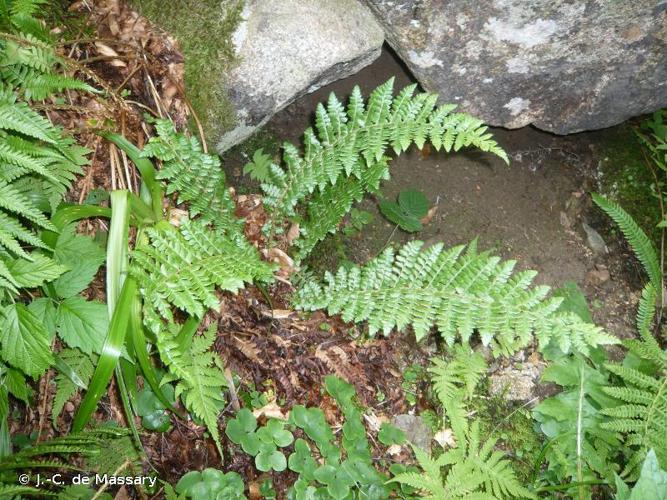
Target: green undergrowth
x=624, y=176
x=204, y=31
x=513, y=424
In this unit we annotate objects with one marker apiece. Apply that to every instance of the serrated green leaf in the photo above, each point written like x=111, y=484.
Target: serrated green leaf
x=83, y=324
x=40, y=270
x=25, y=342
x=652, y=482
x=46, y=311
x=17, y=385
x=82, y=255
x=392, y=211
x=413, y=202
x=389, y=435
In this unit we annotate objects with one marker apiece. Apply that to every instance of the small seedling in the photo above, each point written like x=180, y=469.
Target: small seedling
x=407, y=213
x=358, y=219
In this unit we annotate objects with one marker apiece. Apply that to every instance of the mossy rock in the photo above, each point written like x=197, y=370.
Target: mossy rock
x=624, y=175
x=204, y=30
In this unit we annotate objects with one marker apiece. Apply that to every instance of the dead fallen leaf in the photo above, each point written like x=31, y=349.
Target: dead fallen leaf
x=293, y=233
x=429, y=215
x=445, y=438
x=278, y=313
x=375, y=421
x=176, y=215
x=271, y=410
x=394, y=449
x=285, y=262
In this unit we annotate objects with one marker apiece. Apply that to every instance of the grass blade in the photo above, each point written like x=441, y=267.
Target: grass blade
x=120, y=292
x=117, y=260
x=145, y=167
x=111, y=351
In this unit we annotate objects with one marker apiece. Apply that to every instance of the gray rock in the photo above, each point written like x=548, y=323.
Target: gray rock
x=562, y=65
x=514, y=384
x=288, y=48
x=594, y=240
x=416, y=430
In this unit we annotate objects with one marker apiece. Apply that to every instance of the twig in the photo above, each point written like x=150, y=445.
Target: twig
x=106, y=485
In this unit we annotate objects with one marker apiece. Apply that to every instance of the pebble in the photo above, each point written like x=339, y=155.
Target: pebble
x=594, y=239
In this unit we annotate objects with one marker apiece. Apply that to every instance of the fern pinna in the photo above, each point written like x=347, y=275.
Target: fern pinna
x=457, y=292
x=182, y=267
x=197, y=177
x=350, y=145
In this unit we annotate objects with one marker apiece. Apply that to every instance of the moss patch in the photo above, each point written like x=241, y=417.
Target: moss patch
x=514, y=427
x=204, y=31
x=624, y=176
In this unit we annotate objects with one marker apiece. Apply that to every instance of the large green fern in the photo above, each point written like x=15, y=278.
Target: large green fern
x=474, y=470
x=38, y=162
x=642, y=393
x=457, y=292
x=346, y=155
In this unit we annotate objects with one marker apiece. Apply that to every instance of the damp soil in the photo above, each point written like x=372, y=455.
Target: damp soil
x=530, y=211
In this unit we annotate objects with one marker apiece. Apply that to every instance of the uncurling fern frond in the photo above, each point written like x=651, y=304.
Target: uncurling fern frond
x=183, y=268
x=197, y=177
x=199, y=374
x=458, y=293
x=347, y=141
x=640, y=243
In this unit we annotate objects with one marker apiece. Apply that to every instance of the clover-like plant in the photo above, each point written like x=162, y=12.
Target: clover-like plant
x=211, y=484
x=260, y=443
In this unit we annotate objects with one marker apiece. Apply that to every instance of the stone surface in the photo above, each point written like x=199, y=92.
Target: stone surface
x=515, y=384
x=562, y=65
x=290, y=47
x=416, y=430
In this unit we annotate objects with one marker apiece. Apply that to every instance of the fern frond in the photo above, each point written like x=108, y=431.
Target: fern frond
x=454, y=381
x=345, y=143
x=197, y=177
x=84, y=443
x=83, y=365
x=183, y=268
x=19, y=117
x=473, y=471
x=640, y=243
x=499, y=477
x=13, y=201
x=642, y=412
x=199, y=375
x=458, y=293
x=328, y=207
